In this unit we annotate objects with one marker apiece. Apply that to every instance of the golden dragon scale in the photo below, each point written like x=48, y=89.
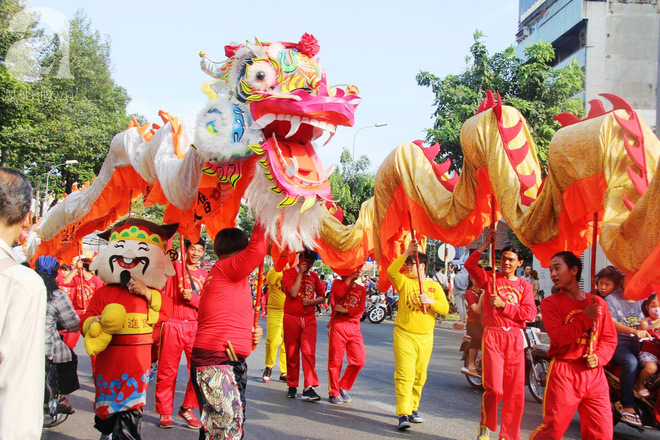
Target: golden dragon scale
x=604, y=164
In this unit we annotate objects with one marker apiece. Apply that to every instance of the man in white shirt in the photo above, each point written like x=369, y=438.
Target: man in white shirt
x=22, y=319
x=527, y=274
x=461, y=280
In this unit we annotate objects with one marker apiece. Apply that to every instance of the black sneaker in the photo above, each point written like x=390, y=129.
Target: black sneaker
x=416, y=418
x=266, y=376
x=404, y=423
x=283, y=377
x=292, y=393
x=310, y=395
x=344, y=395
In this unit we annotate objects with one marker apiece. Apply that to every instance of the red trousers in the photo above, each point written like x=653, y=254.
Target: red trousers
x=503, y=363
x=176, y=337
x=344, y=337
x=572, y=386
x=300, y=336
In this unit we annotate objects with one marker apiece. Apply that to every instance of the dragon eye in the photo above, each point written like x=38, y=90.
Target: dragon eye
x=260, y=75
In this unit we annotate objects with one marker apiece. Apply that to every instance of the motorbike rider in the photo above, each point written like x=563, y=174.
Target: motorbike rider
x=473, y=327
x=627, y=316
x=582, y=341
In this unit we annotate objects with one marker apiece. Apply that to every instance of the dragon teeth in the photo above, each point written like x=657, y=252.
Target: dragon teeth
x=327, y=172
x=295, y=125
x=332, y=134
x=263, y=121
x=296, y=121
x=292, y=168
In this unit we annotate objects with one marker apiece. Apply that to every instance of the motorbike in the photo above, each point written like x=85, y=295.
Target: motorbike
x=536, y=363
x=52, y=417
x=376, y=308
x=645, y=405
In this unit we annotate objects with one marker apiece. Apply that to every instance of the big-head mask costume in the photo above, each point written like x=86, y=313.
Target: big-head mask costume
x=136, y=248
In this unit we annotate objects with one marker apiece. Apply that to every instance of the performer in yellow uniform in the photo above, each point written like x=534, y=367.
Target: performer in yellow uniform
x=413, y=331
x=274, y=326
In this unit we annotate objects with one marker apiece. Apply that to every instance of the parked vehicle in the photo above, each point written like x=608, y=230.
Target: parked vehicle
x=536, y=363
x=376, y=308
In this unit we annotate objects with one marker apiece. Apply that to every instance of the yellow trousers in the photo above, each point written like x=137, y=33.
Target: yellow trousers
x=412, y=354
x=275, y=339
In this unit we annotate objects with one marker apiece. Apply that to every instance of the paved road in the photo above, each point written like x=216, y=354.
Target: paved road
x=449, y=406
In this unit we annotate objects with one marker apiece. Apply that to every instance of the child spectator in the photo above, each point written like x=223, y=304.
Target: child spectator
x=474, y=329
x=649, y=356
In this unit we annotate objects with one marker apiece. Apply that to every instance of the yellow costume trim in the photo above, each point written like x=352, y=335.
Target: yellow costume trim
x=138, y=233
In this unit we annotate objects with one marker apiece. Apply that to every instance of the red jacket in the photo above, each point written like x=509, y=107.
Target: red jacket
x=353, y=299
x=310, y=287
x=568, y=328
x=225, y=307
x=177, y=307
x=517, y=295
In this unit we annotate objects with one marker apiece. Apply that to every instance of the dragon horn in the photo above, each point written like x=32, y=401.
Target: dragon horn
x=213, y=68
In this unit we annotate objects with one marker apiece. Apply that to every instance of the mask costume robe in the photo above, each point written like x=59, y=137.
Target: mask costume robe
x=136, y=249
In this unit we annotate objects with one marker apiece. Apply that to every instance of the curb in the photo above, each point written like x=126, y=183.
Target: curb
x=451, y=325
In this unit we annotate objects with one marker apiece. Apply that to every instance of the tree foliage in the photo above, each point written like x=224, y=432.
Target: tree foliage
x=54, y=118
x=532, y=86
x=352, y=183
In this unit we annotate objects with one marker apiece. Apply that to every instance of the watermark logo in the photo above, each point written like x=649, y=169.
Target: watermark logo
x=22, y=59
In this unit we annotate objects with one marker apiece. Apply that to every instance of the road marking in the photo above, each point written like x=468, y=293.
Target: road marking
x=386, y=342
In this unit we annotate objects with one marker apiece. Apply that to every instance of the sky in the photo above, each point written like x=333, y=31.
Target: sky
x=378, y=46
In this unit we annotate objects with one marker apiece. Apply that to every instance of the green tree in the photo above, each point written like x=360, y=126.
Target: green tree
x=56, y=118
x=245, y=220
x=352, y=183
x=532, y=86
x=16, y=98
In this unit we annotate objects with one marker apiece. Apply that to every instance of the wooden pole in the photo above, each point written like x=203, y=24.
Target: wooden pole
x=419, y=276
x=594, y=247
x=257, y=298
x=493, y=227
x=182, y=258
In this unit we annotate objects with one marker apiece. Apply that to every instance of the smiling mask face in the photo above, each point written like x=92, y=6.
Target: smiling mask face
x=135, y=250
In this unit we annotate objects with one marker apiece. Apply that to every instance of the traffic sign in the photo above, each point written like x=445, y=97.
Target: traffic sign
x=451, y=252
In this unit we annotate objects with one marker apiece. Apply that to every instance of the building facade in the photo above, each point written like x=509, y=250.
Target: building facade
x=615, y=42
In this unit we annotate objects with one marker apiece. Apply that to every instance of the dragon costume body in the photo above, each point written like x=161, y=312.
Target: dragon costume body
x=270, y=102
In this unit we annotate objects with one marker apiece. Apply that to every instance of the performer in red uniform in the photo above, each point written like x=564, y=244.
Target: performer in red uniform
x=178, y=335
x=81, y=284
x=304, y=292
x=225, y=333
x=576, y=379
x=505, y=312
x=135, y=268
x=348, y=300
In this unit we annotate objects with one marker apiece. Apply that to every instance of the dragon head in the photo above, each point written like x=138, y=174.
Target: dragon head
x=273, y=100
